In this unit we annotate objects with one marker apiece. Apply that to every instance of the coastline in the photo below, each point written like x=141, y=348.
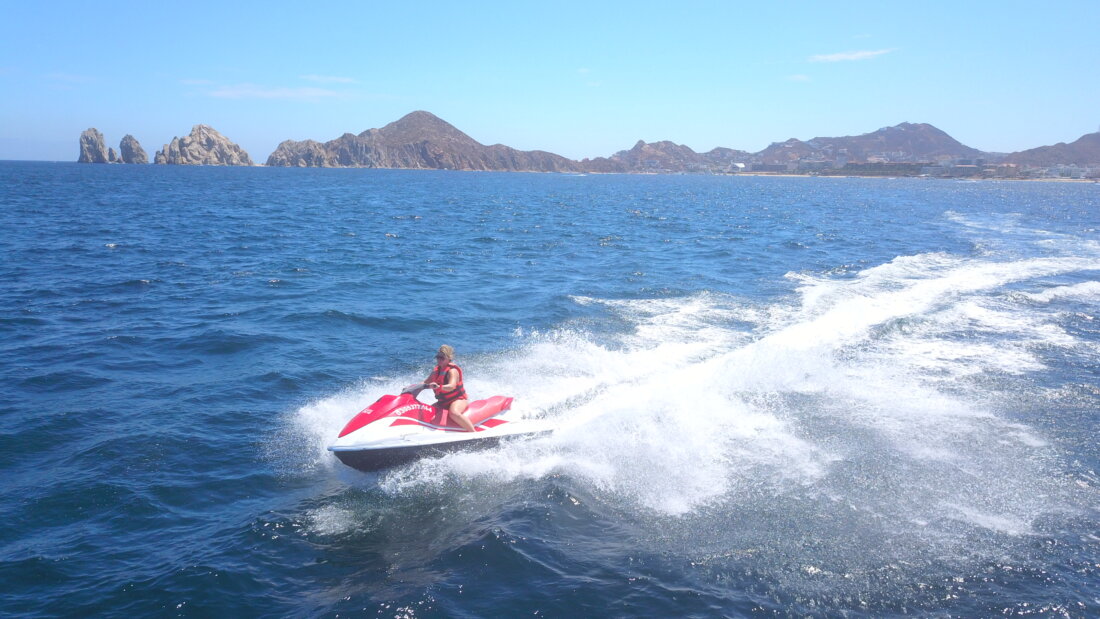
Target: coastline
x=961, y=179
x=964, y=179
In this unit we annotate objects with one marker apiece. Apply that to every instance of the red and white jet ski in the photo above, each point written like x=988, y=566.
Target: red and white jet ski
x=398, y=429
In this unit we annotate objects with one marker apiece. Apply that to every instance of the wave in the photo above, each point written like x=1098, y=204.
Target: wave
x=387, y=323
x=1088, y=292
x=216, y=341
x=64, y=380
x=877, y=413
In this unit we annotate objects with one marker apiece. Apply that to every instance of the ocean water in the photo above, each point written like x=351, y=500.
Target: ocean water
x=773, y=396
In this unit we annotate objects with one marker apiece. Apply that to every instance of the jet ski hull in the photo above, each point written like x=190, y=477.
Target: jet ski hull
x=399, y=429
x=376, y=459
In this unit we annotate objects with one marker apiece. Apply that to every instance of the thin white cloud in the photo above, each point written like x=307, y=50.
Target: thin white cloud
x=798, y=78
x=588, y=77
x=848, y=56
x=328, y=79
x=253, y=91
x=69, y=78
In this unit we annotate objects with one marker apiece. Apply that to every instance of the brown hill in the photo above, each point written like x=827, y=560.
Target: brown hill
x=726, y=159
x=419, y=140
x=649, y=157
x=904, y=142
x=1085, y=151
x=422, y=140
x=665, y=156
x=786, y=152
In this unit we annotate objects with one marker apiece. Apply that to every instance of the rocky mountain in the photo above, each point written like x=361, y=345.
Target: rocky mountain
x=305, y=154
x=204, y=146
x=130, y=151
x=907, y=142
x=421, y=140
x=913, y=141
x=785, y=152
x=418, y=140
x=658, y=157
x=665, y=156
x=92, y=147
x=1084, y=151
x=726, y=159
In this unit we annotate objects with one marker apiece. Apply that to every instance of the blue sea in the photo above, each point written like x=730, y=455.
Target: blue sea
x=772, y=396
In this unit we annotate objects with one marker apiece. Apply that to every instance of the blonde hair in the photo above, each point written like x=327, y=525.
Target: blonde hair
x=447, y=350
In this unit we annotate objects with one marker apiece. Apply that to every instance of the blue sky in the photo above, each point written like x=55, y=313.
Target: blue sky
x=581, y=79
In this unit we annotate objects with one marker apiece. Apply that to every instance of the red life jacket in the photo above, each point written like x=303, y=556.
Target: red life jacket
x=445, y=398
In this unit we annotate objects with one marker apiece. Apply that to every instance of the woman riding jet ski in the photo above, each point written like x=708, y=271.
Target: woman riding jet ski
x=446, y=381
x=398, y=428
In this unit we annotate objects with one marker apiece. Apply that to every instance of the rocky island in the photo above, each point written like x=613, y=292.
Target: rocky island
x=204, y=146
x=131, y=151
x=93, y=149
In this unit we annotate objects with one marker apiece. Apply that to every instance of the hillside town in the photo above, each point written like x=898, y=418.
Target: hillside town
x=944, y=168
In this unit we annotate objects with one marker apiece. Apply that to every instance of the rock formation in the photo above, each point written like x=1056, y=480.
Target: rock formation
x=419, y=140
x=204, y=146
x=132, y=152
x=92, y=147
x=305, y=154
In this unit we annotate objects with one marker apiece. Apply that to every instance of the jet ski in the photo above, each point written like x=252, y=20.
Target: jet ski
x=399, y=428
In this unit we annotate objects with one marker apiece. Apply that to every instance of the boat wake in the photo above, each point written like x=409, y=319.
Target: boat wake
x=887, y=418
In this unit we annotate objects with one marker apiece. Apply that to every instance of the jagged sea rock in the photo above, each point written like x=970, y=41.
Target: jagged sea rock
x=112, y=156
x=204, y=146
x=92, y=147
x=131, y=151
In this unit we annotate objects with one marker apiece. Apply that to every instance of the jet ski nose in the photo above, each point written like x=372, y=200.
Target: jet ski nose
x=383, y=407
